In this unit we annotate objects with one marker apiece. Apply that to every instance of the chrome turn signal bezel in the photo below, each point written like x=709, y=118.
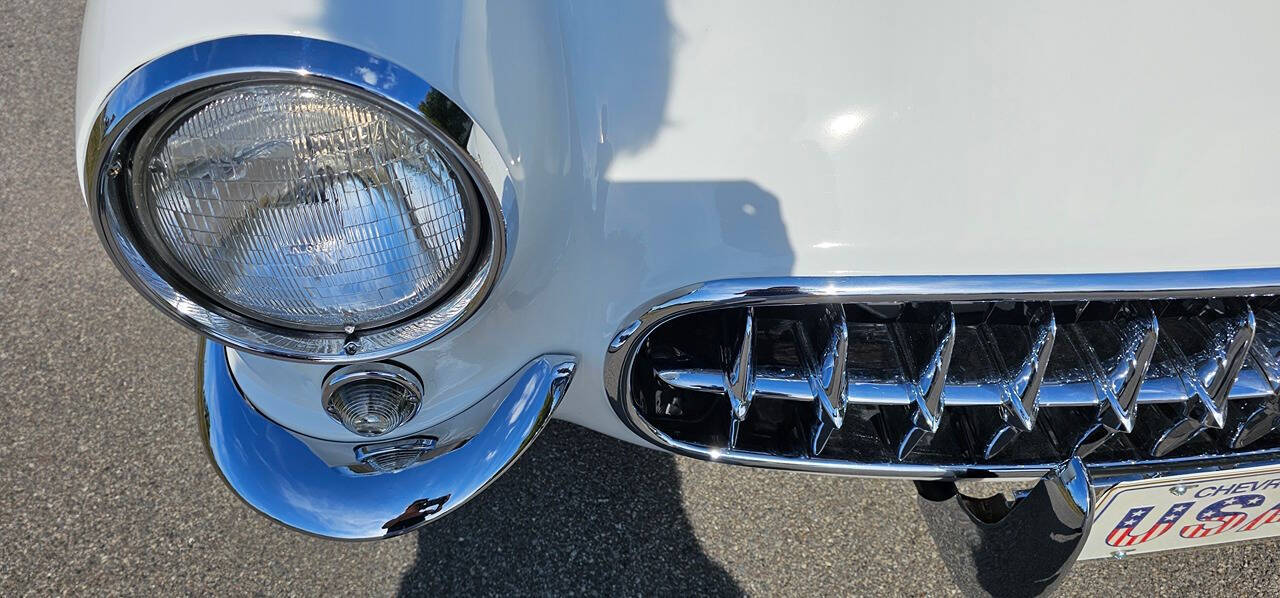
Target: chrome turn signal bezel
x=131, y=108
x=387, y=373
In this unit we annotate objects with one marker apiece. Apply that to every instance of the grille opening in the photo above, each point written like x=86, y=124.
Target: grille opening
x=682, y=374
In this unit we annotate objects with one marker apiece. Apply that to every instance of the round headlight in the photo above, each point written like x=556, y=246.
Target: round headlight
x=296, y=198
x=303, y=205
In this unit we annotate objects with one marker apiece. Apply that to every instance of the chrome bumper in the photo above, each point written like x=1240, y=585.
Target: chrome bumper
x=309, y=485
x=1025, y=545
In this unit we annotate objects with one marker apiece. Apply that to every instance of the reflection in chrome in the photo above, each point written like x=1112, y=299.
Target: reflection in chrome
x=310, y=485
x=211, y=65
x=1145, y=365
x=394, y=455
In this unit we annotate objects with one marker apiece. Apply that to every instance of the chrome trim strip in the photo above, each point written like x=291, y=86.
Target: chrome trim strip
x=275, y=58
x=893, y=289
x=787, y=386
x=293, y=480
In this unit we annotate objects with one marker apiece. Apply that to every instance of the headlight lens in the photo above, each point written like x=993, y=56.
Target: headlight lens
x=304, y=206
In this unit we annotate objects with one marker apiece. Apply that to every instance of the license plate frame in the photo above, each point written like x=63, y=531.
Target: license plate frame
x=1206, y=520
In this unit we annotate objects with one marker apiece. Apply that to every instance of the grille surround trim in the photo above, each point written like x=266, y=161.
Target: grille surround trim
x=747, y=292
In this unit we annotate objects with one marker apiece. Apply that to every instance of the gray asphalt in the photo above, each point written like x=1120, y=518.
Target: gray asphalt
x=106, y=489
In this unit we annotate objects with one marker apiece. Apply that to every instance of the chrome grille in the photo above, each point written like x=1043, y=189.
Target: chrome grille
x=966, y=385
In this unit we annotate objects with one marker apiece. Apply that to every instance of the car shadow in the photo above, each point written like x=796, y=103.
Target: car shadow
x=579, y=513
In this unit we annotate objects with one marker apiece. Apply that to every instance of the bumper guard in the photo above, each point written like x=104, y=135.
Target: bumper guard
x=294, y=481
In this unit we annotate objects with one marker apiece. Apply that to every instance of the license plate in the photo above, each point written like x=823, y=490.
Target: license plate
x=1185, y=512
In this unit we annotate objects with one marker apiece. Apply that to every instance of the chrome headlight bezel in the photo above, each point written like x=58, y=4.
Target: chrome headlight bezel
x=201, y=69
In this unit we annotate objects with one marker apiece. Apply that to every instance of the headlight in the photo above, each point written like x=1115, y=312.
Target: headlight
x=328, y=214
x=304, y=205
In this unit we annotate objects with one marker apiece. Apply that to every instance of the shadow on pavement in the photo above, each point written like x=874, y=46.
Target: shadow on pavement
x=578, y=513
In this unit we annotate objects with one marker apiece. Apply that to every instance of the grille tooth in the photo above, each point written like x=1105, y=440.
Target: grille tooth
x=924, y=411
x=1210, y=381
x=1024, y=389
x=1261, y=421
x=740, y=376
x=1117, y=388
x=1021, y=393
x=824, y=364
x=1255, y=418
x=972, y=384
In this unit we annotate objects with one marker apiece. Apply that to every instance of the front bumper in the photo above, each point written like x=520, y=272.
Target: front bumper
x=325, y=488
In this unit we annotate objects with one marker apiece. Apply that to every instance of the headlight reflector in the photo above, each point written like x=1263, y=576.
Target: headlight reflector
x=304, y=205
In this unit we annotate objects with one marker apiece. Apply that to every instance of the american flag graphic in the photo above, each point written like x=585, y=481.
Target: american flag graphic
x=1124, y=534
x=1272, y=515
x=1216, y=519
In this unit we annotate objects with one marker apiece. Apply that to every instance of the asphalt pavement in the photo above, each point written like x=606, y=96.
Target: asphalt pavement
x=106, y=489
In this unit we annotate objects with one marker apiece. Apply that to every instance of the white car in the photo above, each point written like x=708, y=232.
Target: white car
x=930, y=241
